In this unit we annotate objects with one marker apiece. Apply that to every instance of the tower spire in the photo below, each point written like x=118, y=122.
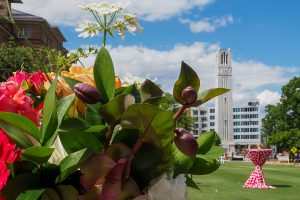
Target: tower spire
x=224, y=102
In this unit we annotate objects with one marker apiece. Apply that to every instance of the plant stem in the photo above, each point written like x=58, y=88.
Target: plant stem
x=179, y=113
x=105, y=31
x=109, y=135
x=138, y=145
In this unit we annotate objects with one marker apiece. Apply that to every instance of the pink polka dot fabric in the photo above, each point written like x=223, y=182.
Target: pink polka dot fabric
x=258, y=157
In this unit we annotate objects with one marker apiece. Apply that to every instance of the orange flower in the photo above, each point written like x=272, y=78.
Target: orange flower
x=82, y=74
x=118, y=82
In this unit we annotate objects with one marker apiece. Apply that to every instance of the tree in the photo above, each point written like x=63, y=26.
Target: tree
x=169, y=103
x=13, y=58
x=281, y=125
x=217, y=141
x=19, y=58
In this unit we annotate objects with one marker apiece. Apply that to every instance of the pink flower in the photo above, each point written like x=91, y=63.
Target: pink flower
x=37, y=79
x=19, y=77
x=14, y=99
x=7, y=155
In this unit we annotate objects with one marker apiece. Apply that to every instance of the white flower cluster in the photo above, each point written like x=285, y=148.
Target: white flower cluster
x=130, y=79
x=109, y=18
x=166, y=188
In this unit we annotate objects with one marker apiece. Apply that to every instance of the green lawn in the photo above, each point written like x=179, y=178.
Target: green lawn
x=227, y=183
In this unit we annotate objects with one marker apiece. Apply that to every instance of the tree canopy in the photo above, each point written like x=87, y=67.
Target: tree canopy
x=281, y=124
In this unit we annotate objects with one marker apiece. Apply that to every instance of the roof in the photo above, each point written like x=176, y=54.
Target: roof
x=19, y=15
x=22, y=16
x=15, y=1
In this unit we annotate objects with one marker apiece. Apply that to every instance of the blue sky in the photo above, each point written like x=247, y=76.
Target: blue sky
x=266, y=30
x=263, y=36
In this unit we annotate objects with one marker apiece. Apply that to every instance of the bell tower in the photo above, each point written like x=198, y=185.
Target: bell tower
x=4, y=8
x=224, y=112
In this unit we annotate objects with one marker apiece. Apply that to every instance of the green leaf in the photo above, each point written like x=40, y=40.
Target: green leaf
x=204, y=165
x=150, y=90
x=20, y=184
x=70, y=81
x=146, y=157
x=77, y=140
x=74, y=124
x=182, y=163
x=187, y=77
x=62, y=108
x=191, y=183
x=207, y=95
x=114, y=110
x=37, y=154
x=50, y=119
x=205, y=142
x=71, y=163
x=132, y=89
x=22, y=123
x=126, y=136
x=92, y=115
x=154, y=101
x=50, y=194
x=31, y=195
x=67, y=192
x=155, y=125
x=104, y=74
x=215, y=152
x=16, y=135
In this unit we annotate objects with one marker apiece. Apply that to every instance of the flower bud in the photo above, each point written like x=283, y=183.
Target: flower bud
x=87, y=93
x=186, y=142
x=189, y=95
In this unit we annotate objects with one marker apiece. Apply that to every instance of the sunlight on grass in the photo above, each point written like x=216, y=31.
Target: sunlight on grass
x=227, y=183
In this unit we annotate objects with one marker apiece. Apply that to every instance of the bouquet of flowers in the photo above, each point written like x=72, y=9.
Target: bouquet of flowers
x=119, y=145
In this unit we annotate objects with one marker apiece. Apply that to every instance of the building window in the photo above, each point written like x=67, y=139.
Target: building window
x=195, y=126
x=244, y=130
x=237, y=137
x=212, y=129
x=212, y=123
x=236, y=123
x=195, y=118
x=24, y=32
x=236, y=109
x=204, y=125
x=236, y=117
x=195, y=132
x=254, y=137
x=245, y=136
x=236, y=130
x=212, y=117
x=212, y=110
x=195, y=112
x=203, y=119
x=203, y=112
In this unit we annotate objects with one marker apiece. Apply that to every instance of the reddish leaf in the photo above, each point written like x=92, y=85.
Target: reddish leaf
x=113, y=181
x=95, y=169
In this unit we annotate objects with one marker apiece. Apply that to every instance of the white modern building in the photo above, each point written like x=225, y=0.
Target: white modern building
x=237, y=126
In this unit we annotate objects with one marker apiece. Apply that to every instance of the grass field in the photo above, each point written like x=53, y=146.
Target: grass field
x=227, y=183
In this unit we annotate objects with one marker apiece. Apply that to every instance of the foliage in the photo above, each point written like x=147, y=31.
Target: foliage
x=123, y=141
x=21, y=58
x=283, y=120
x=217, y=140
x=14, y=58
x=169, y=103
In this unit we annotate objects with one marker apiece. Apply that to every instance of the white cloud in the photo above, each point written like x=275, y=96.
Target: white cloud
x=208, y=24
x=249, y=77
x=68, y=13
x=267, y=97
